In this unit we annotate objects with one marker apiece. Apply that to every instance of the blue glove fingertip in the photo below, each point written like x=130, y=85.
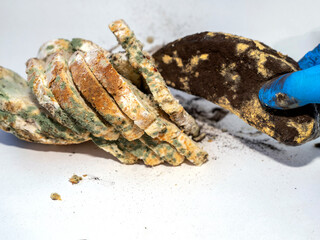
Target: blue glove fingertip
x=272, y=94
x=310, y=59
x=292, y=90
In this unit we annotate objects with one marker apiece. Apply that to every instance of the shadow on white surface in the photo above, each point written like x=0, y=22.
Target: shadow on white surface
x=297, y=46
x=298, y=156
x=292, y=156
x=87, y=148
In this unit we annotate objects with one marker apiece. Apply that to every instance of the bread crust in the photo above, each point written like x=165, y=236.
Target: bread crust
x=53, y=46
x=114, y=148
x=141, y=151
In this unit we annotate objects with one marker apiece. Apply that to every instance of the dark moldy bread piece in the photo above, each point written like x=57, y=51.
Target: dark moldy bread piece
x=229, y=70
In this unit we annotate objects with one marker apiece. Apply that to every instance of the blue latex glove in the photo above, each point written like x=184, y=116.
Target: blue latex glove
x=295, y=89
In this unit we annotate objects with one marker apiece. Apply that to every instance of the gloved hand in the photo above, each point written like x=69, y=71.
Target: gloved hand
x=295, y=89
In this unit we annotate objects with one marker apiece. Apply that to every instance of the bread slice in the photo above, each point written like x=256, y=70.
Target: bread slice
x=154, y=80
x=71, y=101
x=22, y=115
x=28, y=130
x=37, y=82
x=122, y=65
x=99, y=98
x=115, y=148
x=141, y=151
x=184, y=144
x=137, y=105
x=173, y=135
x=163, y=149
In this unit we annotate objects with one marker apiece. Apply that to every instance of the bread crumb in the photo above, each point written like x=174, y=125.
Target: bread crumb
x=150, y=39
x=200, y=137
x=55, y=196
x=75, y=179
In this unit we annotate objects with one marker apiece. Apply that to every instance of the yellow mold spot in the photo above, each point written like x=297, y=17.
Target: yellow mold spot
x=261, y=59
x=304, y=130
x=185, y=84
x=230, y=75
x=253, y=112
x=241, y=47
x=224, y=102
x=166, y=59
x=194, y=61
x=179, y=62
x=204, y=56
x=259, y=45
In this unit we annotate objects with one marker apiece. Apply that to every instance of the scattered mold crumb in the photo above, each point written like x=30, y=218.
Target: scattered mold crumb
x=150, y=39
x=75, y=179
x=84, y=175
x=95, y=178
x=55, y=196
x=200, y=137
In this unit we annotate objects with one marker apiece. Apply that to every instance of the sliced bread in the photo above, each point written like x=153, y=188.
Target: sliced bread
x=130, y=99
x=162, y=95
x=71, y=101
x=99, y=98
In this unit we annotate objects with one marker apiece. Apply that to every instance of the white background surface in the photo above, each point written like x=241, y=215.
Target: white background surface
x=246, y=193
